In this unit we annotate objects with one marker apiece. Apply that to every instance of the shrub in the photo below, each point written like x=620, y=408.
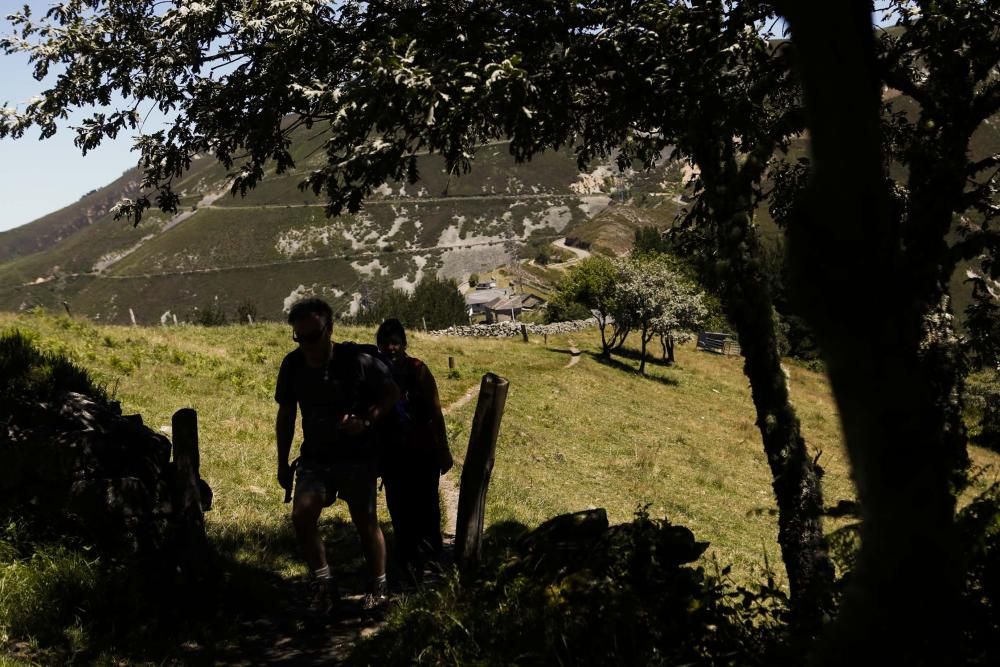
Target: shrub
x=211, y=315
x=575, y=591
x=26, y=371
x=246, y=312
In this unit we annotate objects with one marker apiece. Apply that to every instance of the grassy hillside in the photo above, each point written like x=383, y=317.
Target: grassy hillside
x=451, y=226
x=681, y=440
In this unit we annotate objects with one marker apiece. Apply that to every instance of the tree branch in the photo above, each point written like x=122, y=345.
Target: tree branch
x=902, y=82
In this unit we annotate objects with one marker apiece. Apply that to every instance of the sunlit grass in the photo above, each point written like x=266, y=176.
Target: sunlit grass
x=681, y=440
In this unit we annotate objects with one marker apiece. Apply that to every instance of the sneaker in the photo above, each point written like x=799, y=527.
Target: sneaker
x=322, y=595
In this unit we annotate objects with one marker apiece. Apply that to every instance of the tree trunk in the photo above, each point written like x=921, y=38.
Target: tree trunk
x=846, y=253
x=748, y=304
x=605, y=347
x=796, y=485
x=642, y=351
x=668, y=346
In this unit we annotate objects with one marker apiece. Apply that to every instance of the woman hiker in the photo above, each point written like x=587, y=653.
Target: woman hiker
x=414, y=460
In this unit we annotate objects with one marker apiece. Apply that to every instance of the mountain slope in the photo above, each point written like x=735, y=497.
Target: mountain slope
x=277, y=244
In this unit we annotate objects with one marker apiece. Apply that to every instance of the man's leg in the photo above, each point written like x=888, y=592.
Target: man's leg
x=372, y=541
x=427, y=503
x=306, y=508
x=399, y=500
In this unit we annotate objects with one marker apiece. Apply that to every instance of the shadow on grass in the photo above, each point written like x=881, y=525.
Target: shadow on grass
x=628, y=368
x=241, y=612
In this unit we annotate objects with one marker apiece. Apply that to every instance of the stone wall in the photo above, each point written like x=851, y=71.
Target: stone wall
x=510, y=329
x=75, y=467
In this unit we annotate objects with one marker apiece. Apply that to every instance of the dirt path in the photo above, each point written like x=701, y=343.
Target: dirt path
x=574, y=355
x=448, y=484
x=580, y=253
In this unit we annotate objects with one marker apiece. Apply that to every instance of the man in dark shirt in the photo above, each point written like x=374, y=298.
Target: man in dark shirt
x=342, y=391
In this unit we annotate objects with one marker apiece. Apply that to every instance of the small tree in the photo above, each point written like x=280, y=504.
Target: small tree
x=649, y=239
x=438, y=302
x=685, y=313
x=246, y=312
x=592, y=283
x=655, y=301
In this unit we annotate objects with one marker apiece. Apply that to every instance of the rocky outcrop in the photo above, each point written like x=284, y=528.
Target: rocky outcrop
x=74, y=467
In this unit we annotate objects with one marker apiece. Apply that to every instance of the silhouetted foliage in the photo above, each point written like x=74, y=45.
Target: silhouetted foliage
x=575, y=591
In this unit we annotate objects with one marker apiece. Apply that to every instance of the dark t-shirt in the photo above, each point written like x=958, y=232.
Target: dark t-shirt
x=352, y=381
x=417, y=404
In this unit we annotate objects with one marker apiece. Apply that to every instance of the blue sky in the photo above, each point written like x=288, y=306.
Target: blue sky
x=38, y=177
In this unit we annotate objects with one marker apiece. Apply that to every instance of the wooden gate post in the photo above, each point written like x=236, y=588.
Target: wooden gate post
x=524, y=332
x=451, y=363
x=477, y=470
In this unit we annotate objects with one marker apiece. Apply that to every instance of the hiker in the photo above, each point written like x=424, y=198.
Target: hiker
x=343, y=390
x=414, y=460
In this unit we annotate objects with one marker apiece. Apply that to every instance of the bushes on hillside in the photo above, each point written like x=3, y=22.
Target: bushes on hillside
x=434, y=302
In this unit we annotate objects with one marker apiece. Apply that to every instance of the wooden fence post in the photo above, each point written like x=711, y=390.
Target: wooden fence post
x=187, y=494
x=524, y=332
x=451, y=363
x=477, y=470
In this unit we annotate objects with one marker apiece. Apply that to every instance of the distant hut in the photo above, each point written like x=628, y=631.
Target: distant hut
x=510, y=308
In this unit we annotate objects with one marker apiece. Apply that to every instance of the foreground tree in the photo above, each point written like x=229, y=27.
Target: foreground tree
x=895, y=383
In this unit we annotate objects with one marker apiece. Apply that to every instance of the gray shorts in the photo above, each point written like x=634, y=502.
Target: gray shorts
x=354, y=483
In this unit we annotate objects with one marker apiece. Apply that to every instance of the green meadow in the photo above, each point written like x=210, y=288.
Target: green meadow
x=681, y=440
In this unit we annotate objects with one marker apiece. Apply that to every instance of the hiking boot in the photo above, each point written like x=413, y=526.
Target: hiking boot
x=322, y=596
x=376, y=601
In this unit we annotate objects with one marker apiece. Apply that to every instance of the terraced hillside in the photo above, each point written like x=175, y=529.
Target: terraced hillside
x=277, y=244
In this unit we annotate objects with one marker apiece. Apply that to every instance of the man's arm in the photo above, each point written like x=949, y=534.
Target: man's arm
x=284, y=433
x=385, y=400
x=381, y=392
x=428, y=389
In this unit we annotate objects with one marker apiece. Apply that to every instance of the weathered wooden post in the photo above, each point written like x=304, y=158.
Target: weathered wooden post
x=524, y=332
x=546, y=339
x=451, y=363
x=187, y=491
x=477, y=470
